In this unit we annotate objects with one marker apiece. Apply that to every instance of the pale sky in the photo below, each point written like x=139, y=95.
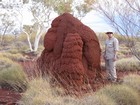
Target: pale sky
x=92, y=20
x=95, y=22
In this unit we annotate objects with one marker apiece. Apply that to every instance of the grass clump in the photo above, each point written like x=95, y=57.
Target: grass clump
x=12, y=75
x=97, y=99
x=14, y=57
x=121, y=94
x=40, y=92
x=128, y=64
x=132, y=80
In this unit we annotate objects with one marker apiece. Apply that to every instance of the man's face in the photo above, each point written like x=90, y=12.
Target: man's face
x=109, y=35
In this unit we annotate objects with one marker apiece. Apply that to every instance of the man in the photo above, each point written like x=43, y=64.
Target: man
x=110, y=56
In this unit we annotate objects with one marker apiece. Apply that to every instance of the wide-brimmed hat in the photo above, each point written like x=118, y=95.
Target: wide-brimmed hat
x=109, y=32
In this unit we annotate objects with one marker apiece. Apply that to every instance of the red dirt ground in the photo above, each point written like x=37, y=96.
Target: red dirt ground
x=8, y=97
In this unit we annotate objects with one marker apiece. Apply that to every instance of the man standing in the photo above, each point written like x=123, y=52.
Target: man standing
x=110, y=56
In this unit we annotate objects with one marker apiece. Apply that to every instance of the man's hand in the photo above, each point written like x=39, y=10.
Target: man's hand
x=115, y=58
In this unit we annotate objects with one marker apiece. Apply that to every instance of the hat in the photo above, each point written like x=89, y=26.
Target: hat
x=109, y=32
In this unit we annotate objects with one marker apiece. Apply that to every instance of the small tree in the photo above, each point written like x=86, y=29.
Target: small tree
x=41, y=18
x=7, y=25
x=9, y=18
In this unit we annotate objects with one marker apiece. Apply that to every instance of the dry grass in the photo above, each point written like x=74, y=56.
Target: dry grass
x=121, y=94
x=15, y=57
x=12, y=75
x=128, y=64
x=96, y=99
x=133, y=81
x=40, y=92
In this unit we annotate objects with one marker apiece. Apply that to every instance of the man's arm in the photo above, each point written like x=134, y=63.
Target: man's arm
x=116, y=48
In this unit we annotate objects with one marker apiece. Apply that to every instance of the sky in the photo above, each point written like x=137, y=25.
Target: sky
x=96, y=22
x=92, y=20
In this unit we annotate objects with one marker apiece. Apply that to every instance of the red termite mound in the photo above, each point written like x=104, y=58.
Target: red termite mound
x=72, y=52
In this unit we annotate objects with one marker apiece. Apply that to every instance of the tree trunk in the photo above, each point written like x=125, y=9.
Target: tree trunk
x=37, y=38
x=2, y=36
x=29, y=41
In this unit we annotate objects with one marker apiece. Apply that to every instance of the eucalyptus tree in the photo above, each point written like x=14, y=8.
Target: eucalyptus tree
x=78, y=8
x=41, y=20
x=42, y=10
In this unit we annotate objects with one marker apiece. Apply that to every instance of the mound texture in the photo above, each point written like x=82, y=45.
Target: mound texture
x=72, y=52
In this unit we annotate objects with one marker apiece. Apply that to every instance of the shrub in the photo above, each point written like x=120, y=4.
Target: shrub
x=120, y=55
x=124, y=52
x=128, y=64
x=9, y=39
x=5, y=62
x=12, y=75
x=132, y=80
x=121, y=94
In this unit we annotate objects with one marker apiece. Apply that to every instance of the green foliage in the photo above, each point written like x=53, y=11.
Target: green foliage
x=132, y=80
x=121, y=94
x=22, y=37
x=127, y=64
x=12, y=75
x=62, y=6
x=8, y=40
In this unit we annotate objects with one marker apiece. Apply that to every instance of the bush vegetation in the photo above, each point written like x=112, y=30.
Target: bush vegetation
x=12, y=75
x=121, y=94
x=128, y=64
x=14, y=57
x=133, y=81
x=125, y=64
x=40, y=92
x=96, y=99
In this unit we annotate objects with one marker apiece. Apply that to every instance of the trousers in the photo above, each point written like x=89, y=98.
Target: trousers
x=110, y=66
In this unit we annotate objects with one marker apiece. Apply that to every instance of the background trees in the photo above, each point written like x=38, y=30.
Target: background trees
x=124, y=17
x=10, y=19
x=42, y=12
x=41, y=19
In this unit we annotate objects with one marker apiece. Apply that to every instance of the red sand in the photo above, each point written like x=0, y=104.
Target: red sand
x=8, y=97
